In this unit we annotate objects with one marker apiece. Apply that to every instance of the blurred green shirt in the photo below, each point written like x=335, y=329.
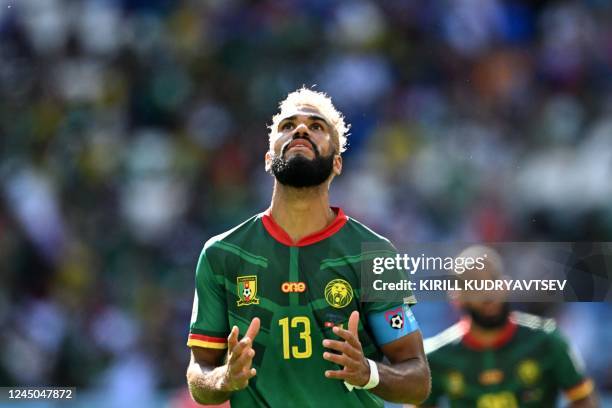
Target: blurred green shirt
x=527, y=366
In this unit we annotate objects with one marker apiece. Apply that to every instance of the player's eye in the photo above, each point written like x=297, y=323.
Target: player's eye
x=316, y=126
x=287, y=126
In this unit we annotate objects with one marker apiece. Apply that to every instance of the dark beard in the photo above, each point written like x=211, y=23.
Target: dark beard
x=490, y=322
x=301, y=172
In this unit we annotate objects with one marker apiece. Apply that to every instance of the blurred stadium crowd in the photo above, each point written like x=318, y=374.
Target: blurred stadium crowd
x=133, y=130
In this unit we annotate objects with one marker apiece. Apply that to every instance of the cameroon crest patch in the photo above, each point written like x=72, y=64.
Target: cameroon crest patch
x=247, y=290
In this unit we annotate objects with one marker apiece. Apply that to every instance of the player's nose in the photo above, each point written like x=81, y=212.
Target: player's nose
x=301, y=128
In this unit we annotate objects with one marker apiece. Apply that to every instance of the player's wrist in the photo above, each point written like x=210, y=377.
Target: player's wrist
x=367, y=372
x=225, y=380
x=373, y=377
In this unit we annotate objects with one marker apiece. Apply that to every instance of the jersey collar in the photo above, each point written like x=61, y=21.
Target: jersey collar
x=503, y=338
x=281, y=236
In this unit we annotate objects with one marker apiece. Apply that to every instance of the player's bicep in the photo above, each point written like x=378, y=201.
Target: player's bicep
x=405, y=348
x=207, y=356
x=397, y=333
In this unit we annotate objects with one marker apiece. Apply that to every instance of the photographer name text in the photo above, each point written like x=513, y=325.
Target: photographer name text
x=472, y=285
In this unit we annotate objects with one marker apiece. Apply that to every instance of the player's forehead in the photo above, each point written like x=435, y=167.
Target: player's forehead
x=304, y=112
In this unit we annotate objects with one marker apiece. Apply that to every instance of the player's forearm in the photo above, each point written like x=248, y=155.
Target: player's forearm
x=206, y=384
x=406, y=382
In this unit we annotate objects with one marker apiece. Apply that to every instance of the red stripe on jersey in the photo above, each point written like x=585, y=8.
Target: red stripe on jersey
x=504, y=337
x=207, y=338
x=281, y=236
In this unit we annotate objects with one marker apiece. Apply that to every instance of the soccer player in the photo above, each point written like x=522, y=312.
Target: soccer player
x=277, y=318
x=497, y=358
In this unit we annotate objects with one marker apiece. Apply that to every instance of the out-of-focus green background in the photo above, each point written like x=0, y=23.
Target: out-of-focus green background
x=133, y=130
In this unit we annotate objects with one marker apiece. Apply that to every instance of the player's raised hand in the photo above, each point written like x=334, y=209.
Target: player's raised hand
x=356, y=370
x=240, y=358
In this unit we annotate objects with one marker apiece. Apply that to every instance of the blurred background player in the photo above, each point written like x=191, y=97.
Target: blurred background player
x=494, y=357
x=289, y=280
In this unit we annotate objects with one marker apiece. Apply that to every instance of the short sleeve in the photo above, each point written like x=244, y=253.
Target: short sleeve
x=209, y=322
x=569, y=369
x=405, y=297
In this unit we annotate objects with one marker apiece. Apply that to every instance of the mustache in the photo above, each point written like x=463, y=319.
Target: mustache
x=286, y=145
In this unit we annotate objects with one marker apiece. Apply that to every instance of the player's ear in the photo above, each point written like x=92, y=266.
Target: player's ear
x=268, y=161
x=337, y=169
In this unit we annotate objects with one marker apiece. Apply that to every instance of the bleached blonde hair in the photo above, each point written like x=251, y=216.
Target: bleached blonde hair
x=493, y=260
x=320, y=101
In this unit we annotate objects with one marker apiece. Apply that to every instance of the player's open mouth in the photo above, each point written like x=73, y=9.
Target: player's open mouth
x=302, y=143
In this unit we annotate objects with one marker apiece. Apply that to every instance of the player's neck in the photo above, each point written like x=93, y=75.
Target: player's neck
x=485, y=336
x=301, y=211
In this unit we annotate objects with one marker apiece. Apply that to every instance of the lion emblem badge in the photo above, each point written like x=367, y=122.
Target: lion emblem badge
x=338, y=293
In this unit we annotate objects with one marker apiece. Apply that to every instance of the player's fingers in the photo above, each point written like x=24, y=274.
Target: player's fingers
x=253, y=328
x=251, y=373
x=353, y=323
x=232, y=339
x=239, y=382
x=243, y=361
x=337, y=374
x=239, y=348
x=348, y=336
x=341, y=359
x=343, y=347
x=335, y=345
x=241, y=378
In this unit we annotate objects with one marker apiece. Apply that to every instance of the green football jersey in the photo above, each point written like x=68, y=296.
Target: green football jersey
x=299, y=291
x=527, y=366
